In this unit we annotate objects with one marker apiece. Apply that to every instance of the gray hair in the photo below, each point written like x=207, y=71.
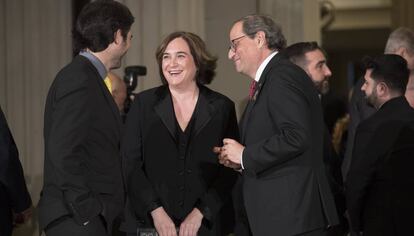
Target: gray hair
x=401, y=37
x=273, y=33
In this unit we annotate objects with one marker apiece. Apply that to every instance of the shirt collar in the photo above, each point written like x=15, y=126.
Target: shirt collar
x=262, y=66
x=95, y=62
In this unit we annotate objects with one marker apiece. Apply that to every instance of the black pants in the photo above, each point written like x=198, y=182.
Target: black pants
x=68, y=227
x=317, y=232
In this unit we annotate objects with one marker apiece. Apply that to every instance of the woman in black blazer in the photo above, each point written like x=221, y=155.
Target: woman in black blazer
x=174, y=180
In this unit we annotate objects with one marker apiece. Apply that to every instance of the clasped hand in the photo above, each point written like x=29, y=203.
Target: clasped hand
x=165, y=226
x=230, y=153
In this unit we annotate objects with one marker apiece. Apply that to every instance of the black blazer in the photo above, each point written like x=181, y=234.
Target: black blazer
x=14, y=196
x=285, y=186
x=158, y=176
x=82, y=129
x=379, y=187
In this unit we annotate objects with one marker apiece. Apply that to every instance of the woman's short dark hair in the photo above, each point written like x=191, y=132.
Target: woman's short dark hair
x=273, y=33
x=204, y=61
x=97, y=24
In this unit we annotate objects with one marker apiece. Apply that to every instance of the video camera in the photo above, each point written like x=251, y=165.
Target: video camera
x=131, y=81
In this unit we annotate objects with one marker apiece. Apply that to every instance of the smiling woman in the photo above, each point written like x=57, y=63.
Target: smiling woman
x=174, y=179
x=178, y=64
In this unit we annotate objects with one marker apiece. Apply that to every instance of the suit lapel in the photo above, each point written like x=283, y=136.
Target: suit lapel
x=204, y=110
x=108, y=96
x=202, y=114
x=250, y=105
x=165, y=110
x=111, y=102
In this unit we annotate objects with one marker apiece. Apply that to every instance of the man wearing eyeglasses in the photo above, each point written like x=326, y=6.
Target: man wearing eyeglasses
x=284, y=187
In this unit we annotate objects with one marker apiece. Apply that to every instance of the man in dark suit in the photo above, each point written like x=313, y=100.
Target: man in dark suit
x=400, y=42
x=312, y=59
x=379, y=199
x=83, y=188
x=15, y=202
x=285, y=190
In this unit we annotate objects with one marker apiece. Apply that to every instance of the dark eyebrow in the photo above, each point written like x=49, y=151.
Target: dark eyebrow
x=321, y=62
x=179, y=52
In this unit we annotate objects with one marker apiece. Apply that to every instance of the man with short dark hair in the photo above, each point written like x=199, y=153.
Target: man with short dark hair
x=83, y=188
x=378, y=200
x=312, y=59
x=400, y=42
x=285, y=190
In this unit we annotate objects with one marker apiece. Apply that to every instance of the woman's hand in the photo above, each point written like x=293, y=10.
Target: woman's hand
x=163, y=223
x=191, y=224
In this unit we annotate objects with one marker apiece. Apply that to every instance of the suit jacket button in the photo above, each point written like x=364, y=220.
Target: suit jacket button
x=181, y=173
x=189, y=171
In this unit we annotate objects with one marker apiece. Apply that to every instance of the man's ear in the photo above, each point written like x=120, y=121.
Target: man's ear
x=402, y=51
x=118, y=39
x=382, y=89
x=260, y=39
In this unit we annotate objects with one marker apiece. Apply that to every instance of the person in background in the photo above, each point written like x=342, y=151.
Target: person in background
x=400, y=42
x=312, y=59
x=379, y=186
x=174, y=180
x=83, y=189
x=15, y=201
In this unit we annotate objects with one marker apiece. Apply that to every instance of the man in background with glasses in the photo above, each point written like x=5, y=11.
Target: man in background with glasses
x=283, y=183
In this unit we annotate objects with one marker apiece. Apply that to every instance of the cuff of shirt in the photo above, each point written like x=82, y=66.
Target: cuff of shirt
x=241, y=159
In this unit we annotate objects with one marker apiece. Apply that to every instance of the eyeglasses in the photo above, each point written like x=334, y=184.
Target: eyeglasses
x=234, y=43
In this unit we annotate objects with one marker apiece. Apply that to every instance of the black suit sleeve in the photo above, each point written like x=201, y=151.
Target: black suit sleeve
x=66, y=138
x=289, y=110
x=220, y=191
x=11, y=172
x=143, y=196
x=359, y=177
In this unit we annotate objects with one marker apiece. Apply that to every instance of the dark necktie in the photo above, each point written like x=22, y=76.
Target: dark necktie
x=252, y=89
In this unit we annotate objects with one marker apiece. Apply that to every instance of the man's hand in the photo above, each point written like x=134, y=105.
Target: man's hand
x=191, y=223
x=22, y=217
x=230, y=153
x=163, y=223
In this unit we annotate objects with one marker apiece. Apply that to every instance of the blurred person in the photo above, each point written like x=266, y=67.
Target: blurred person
x=379, y=197
x=118, y=90
x=401, y=42
x=15, y=201
x=83, y=187
x=284, y=186
x=174, y=180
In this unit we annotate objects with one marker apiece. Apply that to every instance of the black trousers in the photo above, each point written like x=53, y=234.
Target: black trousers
x=317, y=232
x=68, y=227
